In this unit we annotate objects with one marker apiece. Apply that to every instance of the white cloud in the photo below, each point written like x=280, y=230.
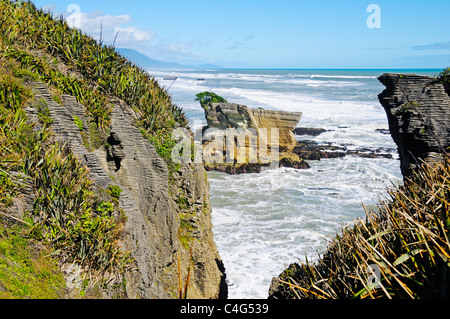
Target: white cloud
x=174, y=49
x=108, y=26
x=129, y=36
x=133, y=34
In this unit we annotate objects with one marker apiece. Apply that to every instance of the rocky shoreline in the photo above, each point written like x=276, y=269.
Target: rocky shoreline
x=313, y=151
x=292, y=147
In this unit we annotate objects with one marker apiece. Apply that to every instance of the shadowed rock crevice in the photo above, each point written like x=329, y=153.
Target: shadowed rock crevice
x=115, y=152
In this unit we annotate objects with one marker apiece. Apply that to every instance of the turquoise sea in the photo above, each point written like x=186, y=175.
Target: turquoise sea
x=264, y=222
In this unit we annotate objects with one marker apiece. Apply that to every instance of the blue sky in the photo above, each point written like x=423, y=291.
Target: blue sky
x=273, y=34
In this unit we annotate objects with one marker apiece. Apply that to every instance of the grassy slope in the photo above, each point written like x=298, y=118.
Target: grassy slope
x=80, y=223
x=43, y=44
x=26, y=270
x=407, y=239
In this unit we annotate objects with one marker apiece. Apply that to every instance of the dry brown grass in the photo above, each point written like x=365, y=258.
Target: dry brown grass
x=406, y=238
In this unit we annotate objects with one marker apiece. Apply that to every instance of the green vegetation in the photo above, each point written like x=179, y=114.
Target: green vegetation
x=67, y=214
x=444, y=77
x=75, y=220
x=79, y=123
x=114, y=191
x=41, y=47
x=26, y=270
x=186, y=222
x=93, y=72
x=78, y=222
x=13, y=94
x=407, y=238
x=43, y=112
x=209, y=97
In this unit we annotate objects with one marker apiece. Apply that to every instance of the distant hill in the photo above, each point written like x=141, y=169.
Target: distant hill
x=146, y=62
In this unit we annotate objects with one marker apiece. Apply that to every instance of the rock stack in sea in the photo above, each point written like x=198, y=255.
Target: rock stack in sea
x=418, y=111
x=227, y=122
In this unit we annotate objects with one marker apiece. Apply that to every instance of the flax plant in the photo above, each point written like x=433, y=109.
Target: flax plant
x=406, y=238
x=68, y=214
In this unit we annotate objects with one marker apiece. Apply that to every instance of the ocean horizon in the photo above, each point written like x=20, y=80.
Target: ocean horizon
x=426, y=71
x=319, y=69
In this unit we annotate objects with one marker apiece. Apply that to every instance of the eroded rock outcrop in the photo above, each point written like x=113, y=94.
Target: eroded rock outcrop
x=168, y=217
x=272, y=144
x=418, y=111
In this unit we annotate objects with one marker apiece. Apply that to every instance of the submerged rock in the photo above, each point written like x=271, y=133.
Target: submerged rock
x=309, y=131
x=314, y=151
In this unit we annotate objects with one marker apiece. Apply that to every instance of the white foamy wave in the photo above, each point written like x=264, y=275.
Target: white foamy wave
x=211, y=76
x=311, y=106
x=314, y=83
x=264, y=222
x=343, y=118
x=301, y=80
x=343, y=76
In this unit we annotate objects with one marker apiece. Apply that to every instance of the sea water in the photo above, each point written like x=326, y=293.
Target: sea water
x=264, y=222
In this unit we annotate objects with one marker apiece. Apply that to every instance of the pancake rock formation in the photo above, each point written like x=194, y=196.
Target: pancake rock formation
x=246, y=140
x=418, y=111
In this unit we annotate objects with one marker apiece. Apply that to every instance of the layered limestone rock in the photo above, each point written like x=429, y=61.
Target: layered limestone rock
x=418, y=111
x=265, y=137
x=168, y=217
x=285, y=122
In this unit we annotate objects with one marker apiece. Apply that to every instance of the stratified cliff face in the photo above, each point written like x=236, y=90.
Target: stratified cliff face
x=284, y=121
x=168, y=219
x=230, y=115
x=274, y=129
x=418, y=111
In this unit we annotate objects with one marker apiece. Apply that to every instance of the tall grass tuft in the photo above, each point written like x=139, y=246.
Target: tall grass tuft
x=406, y=239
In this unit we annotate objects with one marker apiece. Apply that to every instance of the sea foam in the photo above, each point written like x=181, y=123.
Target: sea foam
x=263, y=222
